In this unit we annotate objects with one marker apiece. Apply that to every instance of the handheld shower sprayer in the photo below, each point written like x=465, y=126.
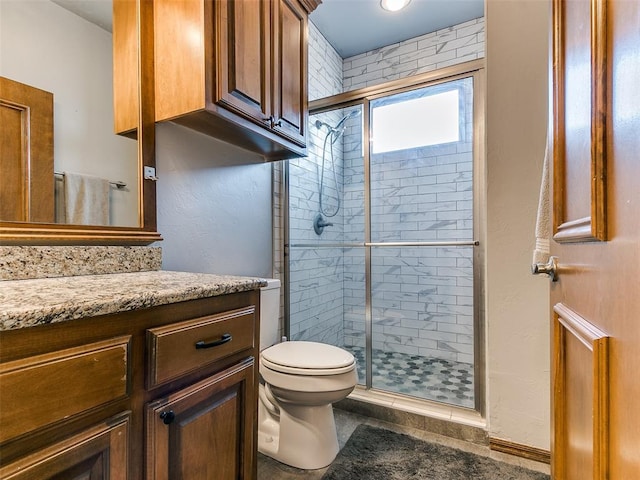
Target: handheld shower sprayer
x=333, y=134
x=337, y=130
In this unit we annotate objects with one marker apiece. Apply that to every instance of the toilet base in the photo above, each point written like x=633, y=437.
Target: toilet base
x=300, y=436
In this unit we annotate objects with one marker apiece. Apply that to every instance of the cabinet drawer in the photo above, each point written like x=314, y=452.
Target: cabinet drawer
x=40, y=390
x=97, y=452
x=180, y=348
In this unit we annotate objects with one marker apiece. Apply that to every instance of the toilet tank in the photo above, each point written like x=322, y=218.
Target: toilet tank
x=270, y=313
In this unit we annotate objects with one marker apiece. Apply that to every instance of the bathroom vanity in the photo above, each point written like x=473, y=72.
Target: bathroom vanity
x=129, y=375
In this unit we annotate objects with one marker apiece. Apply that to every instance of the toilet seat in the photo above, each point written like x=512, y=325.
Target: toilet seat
x=307, y=358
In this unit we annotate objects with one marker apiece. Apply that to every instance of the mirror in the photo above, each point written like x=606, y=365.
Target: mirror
x=47, y=46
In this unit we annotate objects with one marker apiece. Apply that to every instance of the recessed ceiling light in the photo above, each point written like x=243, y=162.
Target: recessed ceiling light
x=394, y=5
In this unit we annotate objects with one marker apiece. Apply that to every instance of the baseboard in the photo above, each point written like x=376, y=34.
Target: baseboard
x=519, y=450
x=394, y=413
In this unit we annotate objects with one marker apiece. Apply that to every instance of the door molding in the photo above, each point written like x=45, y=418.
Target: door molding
x=569, y=326
x=570, y=137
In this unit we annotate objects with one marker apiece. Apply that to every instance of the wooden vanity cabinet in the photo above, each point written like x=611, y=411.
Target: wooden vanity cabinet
x=159, y=393
x=235, y=70
x=204, y=431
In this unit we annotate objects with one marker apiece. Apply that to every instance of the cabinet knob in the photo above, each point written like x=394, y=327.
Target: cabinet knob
x=168, y=417
x=272, y=121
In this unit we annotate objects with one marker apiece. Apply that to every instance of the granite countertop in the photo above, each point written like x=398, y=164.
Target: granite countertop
x=28, y=303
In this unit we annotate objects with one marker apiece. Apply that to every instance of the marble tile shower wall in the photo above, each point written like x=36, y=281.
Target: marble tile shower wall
x=324, y=66
x=442, y=48
x=327, y=285
x=316, y=283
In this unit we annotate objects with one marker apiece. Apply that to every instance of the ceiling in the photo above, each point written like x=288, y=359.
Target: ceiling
x=357, y=26
x=95, y=11
x=351, y=26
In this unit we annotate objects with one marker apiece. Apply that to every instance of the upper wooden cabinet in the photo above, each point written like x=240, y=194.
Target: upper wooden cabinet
x=126, y=104
x=235, y=70
x=290, y=69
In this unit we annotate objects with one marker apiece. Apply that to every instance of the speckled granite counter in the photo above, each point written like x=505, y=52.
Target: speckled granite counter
x=27, y=303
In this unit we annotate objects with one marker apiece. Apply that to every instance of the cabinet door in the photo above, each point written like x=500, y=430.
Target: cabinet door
x=98, y=453
x=125, y=66
x=205, y=431
x=241, y=58
x=290, y=70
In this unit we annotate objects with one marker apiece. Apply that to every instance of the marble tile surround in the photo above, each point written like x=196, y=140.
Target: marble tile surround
x=28, y=303
x=452, y=45
x=28, y=262
x=436, y=195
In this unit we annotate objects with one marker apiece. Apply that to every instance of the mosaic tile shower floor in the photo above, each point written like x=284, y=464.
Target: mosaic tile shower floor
x=428, y=378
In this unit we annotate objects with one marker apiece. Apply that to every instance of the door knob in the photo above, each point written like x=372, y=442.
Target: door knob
x=550, y=268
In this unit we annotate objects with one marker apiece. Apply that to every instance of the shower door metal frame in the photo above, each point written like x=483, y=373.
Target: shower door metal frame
x=362, y=97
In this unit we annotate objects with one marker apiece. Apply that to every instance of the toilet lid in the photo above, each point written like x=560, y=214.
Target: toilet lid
x=308, y=355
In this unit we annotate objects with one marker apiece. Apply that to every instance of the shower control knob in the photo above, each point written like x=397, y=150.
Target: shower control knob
x=319, y=223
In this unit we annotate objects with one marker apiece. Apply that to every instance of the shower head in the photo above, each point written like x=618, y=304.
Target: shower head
x=339, y=128
x=320, y=124
x=351, y=114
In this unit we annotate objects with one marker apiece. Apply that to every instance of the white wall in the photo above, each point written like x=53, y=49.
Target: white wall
x=47, y=47
x=214, y=205
x=517, y=303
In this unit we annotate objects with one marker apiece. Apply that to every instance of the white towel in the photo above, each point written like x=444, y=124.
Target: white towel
x=86, y=199
x=543, y=220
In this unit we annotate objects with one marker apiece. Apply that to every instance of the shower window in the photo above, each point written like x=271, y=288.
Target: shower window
x=415, y=119
x=390, y=272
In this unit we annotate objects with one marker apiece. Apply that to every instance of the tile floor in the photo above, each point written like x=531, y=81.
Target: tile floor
x=423, y=377
x=346, y=423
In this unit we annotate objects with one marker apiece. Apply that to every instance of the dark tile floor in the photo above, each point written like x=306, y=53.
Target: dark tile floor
x=346, y=423
x=423, y=377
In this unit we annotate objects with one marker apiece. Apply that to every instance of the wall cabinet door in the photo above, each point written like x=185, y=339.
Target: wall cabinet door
x=205, y=431
x=290, y=70
x=98, y=453
x=241, y=61
x=235, y=70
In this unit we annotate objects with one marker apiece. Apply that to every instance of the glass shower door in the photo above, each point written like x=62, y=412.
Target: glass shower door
x=421, y=242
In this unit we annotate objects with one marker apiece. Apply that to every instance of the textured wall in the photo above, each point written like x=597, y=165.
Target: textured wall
x=214, y=205
x=517, y=305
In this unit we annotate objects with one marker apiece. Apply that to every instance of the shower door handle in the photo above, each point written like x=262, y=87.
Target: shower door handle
x=550, y=268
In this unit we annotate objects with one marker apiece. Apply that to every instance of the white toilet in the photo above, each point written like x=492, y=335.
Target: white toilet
x=301, y=381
